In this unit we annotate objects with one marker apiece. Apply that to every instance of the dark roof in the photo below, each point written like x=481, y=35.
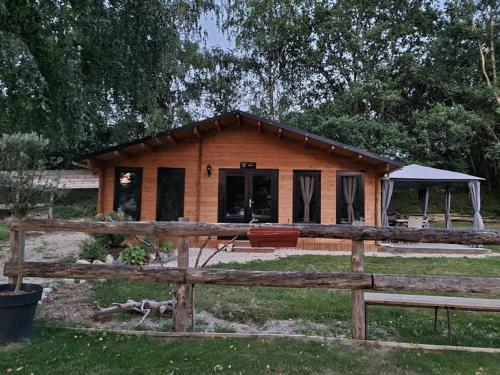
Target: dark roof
x=245, y=117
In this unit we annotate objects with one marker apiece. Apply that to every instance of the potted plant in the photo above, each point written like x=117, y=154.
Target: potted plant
x=22, y=184
x=273, y=237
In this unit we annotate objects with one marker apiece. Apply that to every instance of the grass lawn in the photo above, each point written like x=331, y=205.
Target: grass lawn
x=61, y=351
x=332, y=308
x=4, y=232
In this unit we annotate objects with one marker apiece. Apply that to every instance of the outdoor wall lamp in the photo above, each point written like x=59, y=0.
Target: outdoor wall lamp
x=209, y=170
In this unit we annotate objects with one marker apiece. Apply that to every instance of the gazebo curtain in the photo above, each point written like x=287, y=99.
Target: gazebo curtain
x=447, y=208
x=423, y=197
x=307, y=190
x=387, y=188
x=475, y=195
x=350, y=186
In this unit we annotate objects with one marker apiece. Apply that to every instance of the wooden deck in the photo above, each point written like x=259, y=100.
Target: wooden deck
x=432, y=248
x=456, y=303
x=435, y=302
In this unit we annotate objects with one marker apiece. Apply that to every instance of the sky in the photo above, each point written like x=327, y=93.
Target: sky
x=215, y=38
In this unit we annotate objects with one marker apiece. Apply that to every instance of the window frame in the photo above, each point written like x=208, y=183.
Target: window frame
x=138, y=171
x=341, y=174
x=296, y=194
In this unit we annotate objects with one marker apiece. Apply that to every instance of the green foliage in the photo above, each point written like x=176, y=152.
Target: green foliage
x=68, y=260
x=168, y=246
x=224, y=329
x=22, y=163
x=385, y=138
x=443, y=135
x=92, y=249
x=135, y=255
x=111, y=240
x=4, y=232
x=60, y=75
x=91, y=352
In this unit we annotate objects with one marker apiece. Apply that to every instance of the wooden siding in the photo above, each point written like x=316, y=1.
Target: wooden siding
x=226, y=149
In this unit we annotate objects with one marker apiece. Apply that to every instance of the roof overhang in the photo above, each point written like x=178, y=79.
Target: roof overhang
x=196, y=130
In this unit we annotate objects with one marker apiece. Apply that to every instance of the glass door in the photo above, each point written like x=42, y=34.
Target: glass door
x=263, y=196
x=246, y=194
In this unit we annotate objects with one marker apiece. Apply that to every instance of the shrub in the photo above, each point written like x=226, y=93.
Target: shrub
x=70, y=259
x=134, y=254
x=168, y=246
x=111, y=240
x=92, y=249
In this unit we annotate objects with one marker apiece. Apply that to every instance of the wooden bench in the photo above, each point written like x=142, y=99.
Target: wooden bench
x=436, y=302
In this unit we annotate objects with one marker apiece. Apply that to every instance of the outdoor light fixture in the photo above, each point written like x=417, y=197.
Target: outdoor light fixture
x=209, y=170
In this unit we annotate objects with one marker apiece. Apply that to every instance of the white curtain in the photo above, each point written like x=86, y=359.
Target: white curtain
x=387, y=188
x=423, y=197
x=307, y=190
x=475, y=195
x=447, y=208
x=350, y=186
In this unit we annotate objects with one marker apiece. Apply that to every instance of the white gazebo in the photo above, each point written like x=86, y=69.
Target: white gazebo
x=423, y=178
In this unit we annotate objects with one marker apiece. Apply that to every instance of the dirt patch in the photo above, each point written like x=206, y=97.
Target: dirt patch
x=71, y=304
x=67, y=303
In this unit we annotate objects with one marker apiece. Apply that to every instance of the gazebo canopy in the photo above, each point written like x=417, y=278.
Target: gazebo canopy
x=419, y=176
x=423, y=178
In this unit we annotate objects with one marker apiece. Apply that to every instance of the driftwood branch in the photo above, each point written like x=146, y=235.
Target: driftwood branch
x=144, y=307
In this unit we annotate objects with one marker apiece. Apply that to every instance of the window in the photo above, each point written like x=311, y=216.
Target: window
x=307, y=197
x=128, y=184
x=350, y=197
x=170, y=201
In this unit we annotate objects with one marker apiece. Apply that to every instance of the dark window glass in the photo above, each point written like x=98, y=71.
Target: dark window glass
x=306, y=196
x=128, y=182
x=350, y=192
x=235, y=197
x=170, y=194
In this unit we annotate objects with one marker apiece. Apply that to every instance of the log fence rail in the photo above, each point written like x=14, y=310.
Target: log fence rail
x=357, y=280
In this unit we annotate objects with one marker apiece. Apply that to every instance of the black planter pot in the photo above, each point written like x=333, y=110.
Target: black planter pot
x=17, y=311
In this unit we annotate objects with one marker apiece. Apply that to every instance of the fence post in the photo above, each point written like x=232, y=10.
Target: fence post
x=14, y=251
x=182, y=308
x=358, y=297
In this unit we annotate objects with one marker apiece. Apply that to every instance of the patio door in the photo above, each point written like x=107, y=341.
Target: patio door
x=246, y=194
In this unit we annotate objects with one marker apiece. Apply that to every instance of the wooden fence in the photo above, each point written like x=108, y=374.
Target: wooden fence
x=357, y=280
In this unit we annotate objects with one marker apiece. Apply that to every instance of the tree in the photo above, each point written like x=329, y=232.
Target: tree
x=93, y=73
x=22, y=181
x=442, y=137
x=269, y=37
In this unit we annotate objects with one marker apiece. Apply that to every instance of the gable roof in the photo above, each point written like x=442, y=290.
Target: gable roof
x=240, y=118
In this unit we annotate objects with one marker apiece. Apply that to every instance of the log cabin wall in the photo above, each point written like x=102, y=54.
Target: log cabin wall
x=226, y=149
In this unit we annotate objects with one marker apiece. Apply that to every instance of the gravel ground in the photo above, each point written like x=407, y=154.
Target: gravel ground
x=44, y=247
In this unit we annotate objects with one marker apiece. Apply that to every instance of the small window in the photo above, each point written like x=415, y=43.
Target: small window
x=350, y=197
x=128, y=184
x=307, y=197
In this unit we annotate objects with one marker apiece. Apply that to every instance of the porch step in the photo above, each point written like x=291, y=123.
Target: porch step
x=243, y=243
x=244, y=246
x=249, y=249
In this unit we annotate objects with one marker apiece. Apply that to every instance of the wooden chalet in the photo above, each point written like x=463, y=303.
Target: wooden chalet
x=237, y=167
